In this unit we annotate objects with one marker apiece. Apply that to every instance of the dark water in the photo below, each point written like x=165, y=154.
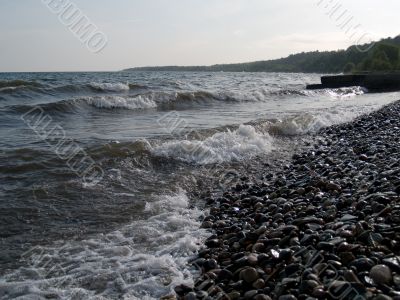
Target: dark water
x=100, y=171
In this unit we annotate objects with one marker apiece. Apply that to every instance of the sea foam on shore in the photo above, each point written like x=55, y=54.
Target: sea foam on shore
x=324, y=227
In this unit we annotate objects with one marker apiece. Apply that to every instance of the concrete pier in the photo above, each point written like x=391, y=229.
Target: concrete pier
x=378, y=82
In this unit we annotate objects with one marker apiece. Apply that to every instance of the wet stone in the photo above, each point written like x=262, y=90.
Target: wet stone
x=292, y=268
x=325, y=246
x=182, y=289
x=259, y=247
x=190, y=296
x=249, y=275
x=363, y=264
x=225, y=274
x=234, y=295
x=211, y=264
x=381, y=274
x=326, y=223
x=312, y=284
x=348, y=218
x=393, y=263
x=250, y=294
x=319, y=292
x=259, y=284
x=308, y=220
x=285, y=254
x=207, y=224
x=382, y=297
x=201, y=294
x=252, y=259
x=287, y=297
x=213, y=243
x=262, y=297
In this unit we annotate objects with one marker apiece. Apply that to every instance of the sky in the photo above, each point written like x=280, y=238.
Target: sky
x=183, y=32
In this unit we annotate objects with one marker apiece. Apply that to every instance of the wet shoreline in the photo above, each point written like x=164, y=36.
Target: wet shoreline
x=326, y=226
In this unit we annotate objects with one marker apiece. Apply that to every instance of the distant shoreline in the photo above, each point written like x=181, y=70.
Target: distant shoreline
x=381, y=56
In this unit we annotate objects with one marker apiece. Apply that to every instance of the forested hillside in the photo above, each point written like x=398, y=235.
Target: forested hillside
x=382, y=56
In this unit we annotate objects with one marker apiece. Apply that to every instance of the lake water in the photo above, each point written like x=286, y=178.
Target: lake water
x=101, y=172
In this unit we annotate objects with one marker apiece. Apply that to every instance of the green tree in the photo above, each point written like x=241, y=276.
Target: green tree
x=349, y=67
x=391, y=51
x=380, y=65
x=383, y=55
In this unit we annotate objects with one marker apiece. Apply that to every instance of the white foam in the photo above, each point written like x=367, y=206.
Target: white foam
x=310, y=123
x=347, y=92
x=143, y=260
x=227, y=146
x=113, y=87
x=138, y=102
x=297, y=125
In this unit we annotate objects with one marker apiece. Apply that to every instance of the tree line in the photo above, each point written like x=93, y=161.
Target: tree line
x=383, y=55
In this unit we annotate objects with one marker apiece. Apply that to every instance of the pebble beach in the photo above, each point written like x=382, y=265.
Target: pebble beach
x=324, y=226
x=234, y=185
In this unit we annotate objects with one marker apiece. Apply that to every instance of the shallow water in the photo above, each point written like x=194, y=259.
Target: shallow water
x=158, y=139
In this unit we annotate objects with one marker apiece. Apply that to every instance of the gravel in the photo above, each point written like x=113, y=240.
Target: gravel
x=326, y=226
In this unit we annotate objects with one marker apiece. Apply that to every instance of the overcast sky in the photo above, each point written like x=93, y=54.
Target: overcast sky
x=182, y=32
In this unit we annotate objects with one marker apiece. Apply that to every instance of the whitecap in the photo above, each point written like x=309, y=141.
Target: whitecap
x=245, y=142
x=138, y=102
x=113, y=87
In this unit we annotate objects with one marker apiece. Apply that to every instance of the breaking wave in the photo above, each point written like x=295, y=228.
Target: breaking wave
x=221, y=147
x=133, y=103
x=339, y=92
x=131, y=236
x=112, y=87
x=305, y=123
x=96, y=87
x=99, y=102
x=112, y=264
x=160, y=97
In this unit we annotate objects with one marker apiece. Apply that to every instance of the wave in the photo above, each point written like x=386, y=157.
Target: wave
x=132, y=103
x=335, y=93
x=202, y=96
x=261, y=95
x=297, y=125
x=118, y=149
x=346, y=92
x=15, y=86
x=207, y=147
x=161, y=100
x=165, y=97
x=306, y=123
x=111, y=87
x=290, y=92
x=98, y=102
x=106, y=95
x=133, y=86
x=142, y=260
x=97, y=87
x=17, y=83
x=211, y=146
x=221, y=147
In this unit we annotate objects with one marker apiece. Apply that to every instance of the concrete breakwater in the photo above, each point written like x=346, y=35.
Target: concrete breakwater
x=379, y=82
